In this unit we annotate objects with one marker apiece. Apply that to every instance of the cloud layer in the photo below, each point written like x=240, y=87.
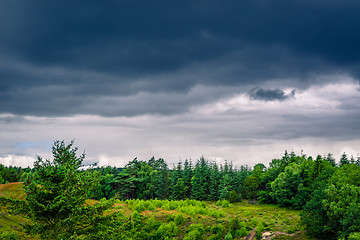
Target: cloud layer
x=216, y=75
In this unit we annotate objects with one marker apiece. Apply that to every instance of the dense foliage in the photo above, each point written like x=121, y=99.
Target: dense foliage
x=326, y=192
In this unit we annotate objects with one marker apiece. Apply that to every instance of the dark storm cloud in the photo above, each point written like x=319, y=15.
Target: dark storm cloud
x=269, y=94
x=56, y=57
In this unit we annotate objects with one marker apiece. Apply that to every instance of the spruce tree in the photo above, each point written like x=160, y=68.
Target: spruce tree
x=215, y=177
x=225, y=186
x=344, y=160
x=56, y=194
x=176, y=174
x=200, y=180
x=187, y=176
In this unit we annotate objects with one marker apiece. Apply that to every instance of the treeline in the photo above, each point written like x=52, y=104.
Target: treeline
x=13, y=174
x=154, y=180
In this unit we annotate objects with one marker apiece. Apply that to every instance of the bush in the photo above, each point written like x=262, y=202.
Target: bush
x=151, y=206
x=354, y=236
x=233, y=197
x=139, y=207
x=179, y=219
x=225, y=203
x=9, y=236
x=199, y=227
x=216, y=213
x=217, y=229
x=234, y=225
x=242, y=232
x=228, y=236
x=193, y=235
x=166, y=231
x=195, y=232
x=173, y=205
x=259, y=229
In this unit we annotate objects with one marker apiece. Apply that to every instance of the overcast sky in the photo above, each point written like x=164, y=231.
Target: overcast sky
x=236, y=80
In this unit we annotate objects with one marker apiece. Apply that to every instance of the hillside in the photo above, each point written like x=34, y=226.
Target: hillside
x=11, y=224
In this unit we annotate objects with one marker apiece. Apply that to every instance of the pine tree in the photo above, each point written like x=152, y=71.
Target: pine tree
x=56, y=194
x=225, y=186
x=200, y=180
x=187, y=176
x=162, y=182
x=352, y=160
x=175, y=176
x=344, y=160
x=215, y=177
x=329, y=158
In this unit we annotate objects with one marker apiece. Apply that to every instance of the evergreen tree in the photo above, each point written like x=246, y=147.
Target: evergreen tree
x=215, y=177
x=200, y=180
x=187, y=176
x=329, y=158
x=125, y=185
x=162, y=182
x=56, y=194
x=175, y=176
x=344, y=160
x=225, y=186
x=352, y=160
x=179, y=190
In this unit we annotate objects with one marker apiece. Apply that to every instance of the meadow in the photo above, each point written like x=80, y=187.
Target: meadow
x=183, y=219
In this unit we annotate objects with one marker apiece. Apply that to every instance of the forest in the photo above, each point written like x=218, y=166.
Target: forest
x=63, y=200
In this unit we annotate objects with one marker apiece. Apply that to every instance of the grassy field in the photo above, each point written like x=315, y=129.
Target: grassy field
x=187, y=219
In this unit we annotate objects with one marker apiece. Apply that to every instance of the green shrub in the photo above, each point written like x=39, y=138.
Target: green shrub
x=151, y=224
x=173, y=205
x=354, y=236
x=193, y=235
x=139, y=207
x=151, y=206
x=217, y=229
x=234, y=225
x=199, y=227
x=166, y=206
x=166, y=231
x=242, y=232
x=195, y=232
x=179, y=219
x=228, y=236
x=9, y=236
x=225, y=203
x=259, y=229
x=233, y=197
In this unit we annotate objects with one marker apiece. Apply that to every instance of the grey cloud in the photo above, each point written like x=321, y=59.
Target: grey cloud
x=58, y=58
x=269, y=95
x=10, y=119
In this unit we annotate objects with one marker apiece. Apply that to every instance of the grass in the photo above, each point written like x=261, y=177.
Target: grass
x=186, y=219
x=11, y=224
x=12, y=190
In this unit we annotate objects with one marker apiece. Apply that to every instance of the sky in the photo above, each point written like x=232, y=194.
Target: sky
x=241, y=81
